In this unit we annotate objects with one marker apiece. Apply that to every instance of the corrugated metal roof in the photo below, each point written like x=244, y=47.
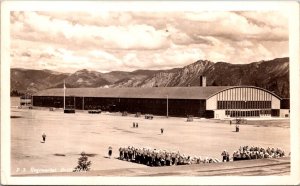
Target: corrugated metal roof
x=138, y=92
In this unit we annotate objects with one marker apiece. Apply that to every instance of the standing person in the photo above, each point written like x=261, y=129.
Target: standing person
x=237, y=128
x=224, y=155
x=161, y=131
x=130, y=152
x=126, y=154
x=234, y=156
x=133, y=125
x=121, y=156
x=109, y=151
x=44, y=137
x=227, y=156
x=137, y=125
x=168, y=159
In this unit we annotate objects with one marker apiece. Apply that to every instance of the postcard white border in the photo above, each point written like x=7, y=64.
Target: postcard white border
x=289, y=7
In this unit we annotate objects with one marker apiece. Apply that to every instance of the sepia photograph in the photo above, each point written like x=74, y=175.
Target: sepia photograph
x=149, y=92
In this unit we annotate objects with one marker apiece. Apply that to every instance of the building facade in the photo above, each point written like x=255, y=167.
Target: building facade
x=244, y=102
x=207, y=101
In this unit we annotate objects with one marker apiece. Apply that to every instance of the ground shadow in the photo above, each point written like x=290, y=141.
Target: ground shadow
x=107, y=157
x=56, y=154
x=90, y=154
x=15, y=116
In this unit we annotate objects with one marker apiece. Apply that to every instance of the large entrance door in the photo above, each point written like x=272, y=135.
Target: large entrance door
x=275, y=112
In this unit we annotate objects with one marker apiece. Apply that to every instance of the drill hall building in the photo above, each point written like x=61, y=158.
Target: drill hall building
x=217, y=102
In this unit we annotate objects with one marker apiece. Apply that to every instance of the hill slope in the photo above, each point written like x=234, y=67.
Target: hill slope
x=272, y=75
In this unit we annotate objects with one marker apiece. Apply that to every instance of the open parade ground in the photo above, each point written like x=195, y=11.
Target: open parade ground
x=70, y=134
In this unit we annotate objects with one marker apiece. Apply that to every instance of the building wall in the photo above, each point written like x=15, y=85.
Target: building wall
x=211, y=103
x=176, y=107
x=284, y=113
x=219, y=114
x=243, y=102
x=233, y=102
x=243, y=98
x=275, y=103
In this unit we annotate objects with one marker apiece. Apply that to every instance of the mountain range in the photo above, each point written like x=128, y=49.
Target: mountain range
x=272, y=75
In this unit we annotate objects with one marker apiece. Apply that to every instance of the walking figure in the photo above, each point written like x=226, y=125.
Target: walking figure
x=133, y=125
x=137, y=125
x=109, y=151
x=161, y=131
x=44, y=137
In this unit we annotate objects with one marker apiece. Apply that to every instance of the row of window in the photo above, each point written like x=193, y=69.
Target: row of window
x=236, y=113
x=243, y=104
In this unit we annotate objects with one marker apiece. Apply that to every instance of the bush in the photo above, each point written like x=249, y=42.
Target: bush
x=83, y=163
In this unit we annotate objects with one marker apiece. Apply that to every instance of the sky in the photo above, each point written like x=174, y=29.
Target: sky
x=129, y=40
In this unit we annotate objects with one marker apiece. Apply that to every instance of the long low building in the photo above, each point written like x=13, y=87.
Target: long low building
x=209, y=101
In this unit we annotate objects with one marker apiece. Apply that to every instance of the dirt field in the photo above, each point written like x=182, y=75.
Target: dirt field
x=70, y=134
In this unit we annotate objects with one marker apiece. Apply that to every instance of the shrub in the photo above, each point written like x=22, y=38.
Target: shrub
x=83, y=163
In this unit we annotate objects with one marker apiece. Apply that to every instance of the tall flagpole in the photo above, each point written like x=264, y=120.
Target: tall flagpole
x=64, y=95
x=167, y=105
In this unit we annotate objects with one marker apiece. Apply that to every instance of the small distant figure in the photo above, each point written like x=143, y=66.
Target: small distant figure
x=44, y=137
x=137, y=125
x=237, y=128
x=224, y=156
x=109, y=151
x=161, y=130
x=133, y=125
x=227, y=157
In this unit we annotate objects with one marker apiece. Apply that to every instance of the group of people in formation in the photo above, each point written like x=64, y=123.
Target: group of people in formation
x=155, y=157
x=247, y=153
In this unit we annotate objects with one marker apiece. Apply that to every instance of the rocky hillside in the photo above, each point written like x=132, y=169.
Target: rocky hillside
x=272, y=75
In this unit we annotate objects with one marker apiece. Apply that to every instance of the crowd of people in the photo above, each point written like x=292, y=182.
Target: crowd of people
x=155, y=157
x=247, y=153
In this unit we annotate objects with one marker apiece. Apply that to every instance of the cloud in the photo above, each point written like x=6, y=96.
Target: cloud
x=62, y=31
x=105, y=41
x=235, y=26
x=46, y=56
x=26, y=54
